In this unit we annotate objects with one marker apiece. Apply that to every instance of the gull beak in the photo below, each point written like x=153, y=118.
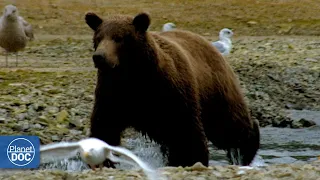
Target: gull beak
x=85, y=154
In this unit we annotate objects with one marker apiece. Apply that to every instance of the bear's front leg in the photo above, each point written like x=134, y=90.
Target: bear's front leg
x=183, y=135
x=107, y=126
x=188, y=147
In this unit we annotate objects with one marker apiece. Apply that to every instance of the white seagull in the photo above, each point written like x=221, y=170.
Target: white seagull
x=14, y=31
x=92, y=151
x=168, y=27
x=224, y=45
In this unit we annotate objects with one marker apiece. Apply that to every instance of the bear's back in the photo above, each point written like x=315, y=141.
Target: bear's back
x=207, y=64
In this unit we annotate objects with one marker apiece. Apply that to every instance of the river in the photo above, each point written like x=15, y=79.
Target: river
x=278, y=146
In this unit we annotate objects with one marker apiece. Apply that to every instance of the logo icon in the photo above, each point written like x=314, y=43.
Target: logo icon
x=19, y=151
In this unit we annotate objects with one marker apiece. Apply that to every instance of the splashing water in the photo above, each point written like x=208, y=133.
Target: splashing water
x=142, y=147
x=68, y=164
x=235, y=156
x=258, y=161
x=147, y=150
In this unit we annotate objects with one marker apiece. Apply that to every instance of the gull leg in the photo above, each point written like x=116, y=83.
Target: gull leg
x=16, y=59
x=100, y=166
x=93, y=167
x=6, y=58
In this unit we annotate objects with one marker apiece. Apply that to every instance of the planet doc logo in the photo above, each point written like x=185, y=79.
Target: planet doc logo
x=21, y=152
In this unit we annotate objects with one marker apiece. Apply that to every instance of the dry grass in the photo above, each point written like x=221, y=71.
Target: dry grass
x=265, y=17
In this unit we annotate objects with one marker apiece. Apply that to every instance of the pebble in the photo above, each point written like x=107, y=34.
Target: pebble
x=2, y=120
x=55, y=138
x=62, y=116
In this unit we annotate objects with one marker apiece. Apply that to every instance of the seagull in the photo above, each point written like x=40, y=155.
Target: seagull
x=168, y=27
x=92, y=151
x=224, y=44
x=14, y=31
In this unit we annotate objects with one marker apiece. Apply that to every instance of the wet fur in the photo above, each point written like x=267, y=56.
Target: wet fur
x=174, y=87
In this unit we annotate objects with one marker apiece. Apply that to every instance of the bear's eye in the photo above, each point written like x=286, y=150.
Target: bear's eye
x=117, y=39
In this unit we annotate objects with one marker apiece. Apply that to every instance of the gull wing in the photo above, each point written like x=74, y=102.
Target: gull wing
x=1, y=19
x=130, y=155
x=27, y=28
x=59, y=150
x=151, y=173
x=219, y=46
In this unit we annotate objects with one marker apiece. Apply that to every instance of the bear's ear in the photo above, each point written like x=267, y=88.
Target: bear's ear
x=141, y=22
x=93, y=20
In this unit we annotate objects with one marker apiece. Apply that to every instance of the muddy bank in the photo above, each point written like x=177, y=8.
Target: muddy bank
x=279, y=74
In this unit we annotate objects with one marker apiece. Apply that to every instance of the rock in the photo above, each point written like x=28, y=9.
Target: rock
x=2, y=120
x=21, y=127
x=18, y=84
x=311, y=59
x=285, y=28
x=307, y=123
x=38, y=107
x=22, y=116
x=75, y=132
x=54, y=91
x=197, y=167
x=52, y=109
x=294, y=106
x=302, y=123
x=37, y=126
x=55, y=138
x=36, y=92
x=3, y=111
x=75, y=122
x=89, y=98
x=281, y=121
x=43, y=118
x=313, y=116
x=252, y=22
x=62, y=116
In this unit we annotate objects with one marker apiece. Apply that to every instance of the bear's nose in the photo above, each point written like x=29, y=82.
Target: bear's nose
x=99, y=59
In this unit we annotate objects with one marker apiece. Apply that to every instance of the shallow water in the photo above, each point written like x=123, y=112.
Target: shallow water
x=278, y=146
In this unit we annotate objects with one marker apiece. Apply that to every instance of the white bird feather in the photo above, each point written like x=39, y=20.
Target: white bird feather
x=224, y=44
x=92, y=151
x=168, y=27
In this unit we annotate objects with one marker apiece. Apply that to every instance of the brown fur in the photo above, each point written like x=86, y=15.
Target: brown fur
x=173, y=86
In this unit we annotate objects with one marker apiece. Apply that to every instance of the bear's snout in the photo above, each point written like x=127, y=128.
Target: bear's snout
x=99, y=59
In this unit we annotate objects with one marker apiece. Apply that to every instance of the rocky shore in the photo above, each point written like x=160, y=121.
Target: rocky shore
x=309, y=171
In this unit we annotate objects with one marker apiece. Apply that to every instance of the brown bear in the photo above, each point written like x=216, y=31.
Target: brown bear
x=172, y=86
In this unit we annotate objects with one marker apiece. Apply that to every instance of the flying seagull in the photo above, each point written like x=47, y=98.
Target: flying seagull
x=14, y=31
x=224, y=45
x=92, y=151
x=168, y=27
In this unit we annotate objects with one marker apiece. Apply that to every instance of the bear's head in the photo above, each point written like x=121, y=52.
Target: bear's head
x=117, y=38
